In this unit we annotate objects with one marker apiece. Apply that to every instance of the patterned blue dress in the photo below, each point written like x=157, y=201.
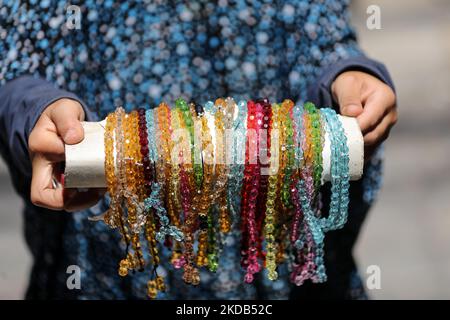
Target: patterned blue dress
x=137, y=54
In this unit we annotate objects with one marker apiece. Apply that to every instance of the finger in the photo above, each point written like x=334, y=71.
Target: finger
x=381, y=132
x=66, y=118
x=42, y=192
x=44, y=139
x=376, y=107
x=347, y=92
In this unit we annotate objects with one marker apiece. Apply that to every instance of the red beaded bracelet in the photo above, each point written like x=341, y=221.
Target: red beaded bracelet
x=143, y=141
x=256, y=120
x=264, y=162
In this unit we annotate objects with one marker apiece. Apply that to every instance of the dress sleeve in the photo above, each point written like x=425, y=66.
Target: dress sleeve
x=22, y=101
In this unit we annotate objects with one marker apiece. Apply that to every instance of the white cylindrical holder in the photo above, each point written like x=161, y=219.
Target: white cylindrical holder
x=85, y=161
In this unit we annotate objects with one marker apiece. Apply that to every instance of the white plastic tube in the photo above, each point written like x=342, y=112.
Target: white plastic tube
x=85, y=161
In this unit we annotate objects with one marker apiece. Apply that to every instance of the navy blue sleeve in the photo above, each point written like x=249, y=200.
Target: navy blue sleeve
x=320, y=92
x=22, y=101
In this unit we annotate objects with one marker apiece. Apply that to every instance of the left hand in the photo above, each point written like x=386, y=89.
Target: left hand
x=371, y=101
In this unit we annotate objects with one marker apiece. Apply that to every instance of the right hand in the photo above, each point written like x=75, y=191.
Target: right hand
x=59, y=124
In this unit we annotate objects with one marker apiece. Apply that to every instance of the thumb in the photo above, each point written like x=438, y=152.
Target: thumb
x=347, y=92
x=67, y=115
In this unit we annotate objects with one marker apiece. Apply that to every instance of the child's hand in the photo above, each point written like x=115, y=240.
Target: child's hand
x=59, y=123
x=371, y=101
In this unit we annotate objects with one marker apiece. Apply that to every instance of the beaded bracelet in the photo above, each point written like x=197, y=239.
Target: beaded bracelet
x=218, y=198
x=165, y=161
x=174, y=159
x=111, y=216
x=149, y=195
x=134, y=182
x=264, y=163
x=163, y=133
x=158, y=147
x=307, y=188
x=288, y=155
x=190, y=274
x=230, y=124
x=187, y=187
x=154, y=199
x=225, y=181
x=250, y=146
x=183, y=154
x=297, y=116
x=208, y=246
x=282, y=216
x=272, y=194
x=237, y=159
x=303, y=269
x=253, y=266
x=339, y=172
x=222, y=172
x=201, y=258
x=127, y=263
x=205, y=255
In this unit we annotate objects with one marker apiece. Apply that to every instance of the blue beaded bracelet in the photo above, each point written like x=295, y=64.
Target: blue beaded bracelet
x=165, y=229
x=238, y=158
x=339, y=172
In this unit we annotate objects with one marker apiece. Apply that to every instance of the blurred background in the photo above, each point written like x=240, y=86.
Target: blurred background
x=407, y=233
